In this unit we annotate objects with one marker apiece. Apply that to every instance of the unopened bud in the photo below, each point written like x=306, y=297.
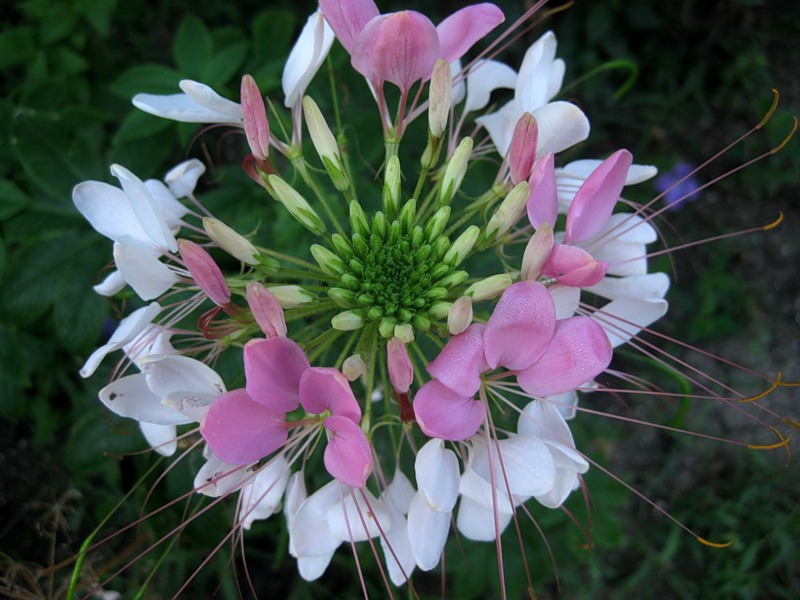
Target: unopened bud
x=455, y=171
x=405, y=332
x=329, y=262
x=342, y=246
x=266, y=310
x=391, y=187
x=291, y=296
x=358, y=219
x=489, y=287
x=401, y=371
x=205, y=272
x=460, y=315
x=325, y=144
x=436, y=224
x=537, y=252
x=440, y=310
x=453, y=279
x=408, y=215
x=354, y=367
x=348, y=320
x=522, y=151
x=254, y=115
x=439, y=101
x=230, y=241
x=462, y=246
x=342, y=297
x=506, y=215
x=297, y=206
x=386, y=327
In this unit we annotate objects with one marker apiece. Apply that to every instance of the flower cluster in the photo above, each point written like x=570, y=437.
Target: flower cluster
x=435, y=350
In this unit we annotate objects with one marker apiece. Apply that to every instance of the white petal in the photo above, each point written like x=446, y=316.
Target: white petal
x=140, y=267
x=566, y=299
x=182, y=178
x=399, y=492
x=565, y=403
x=427, y=532
x=169, y=206
x=217, y=478
x=306, y=56
x=130, y=397
x=561, y=125
x=180, y=107
x=625, y=317
x=128, y=329
x=565, y=480
x=162, y=438
x=526, y=468
x=108, y=211
x=627, y=227
x=153, y=340
x=150, y=217
x=556, y=78
x=168, y=375
x=312, y=568
x=459, y=91
x=651, y=285
x=477, y=522
x=624, y=258
x=262, y=498
x=309, y=532
x=205, y=96
x=500, y=126
x=295, y=496
x=479, y=490
x=437, y=475
x=534, y=82
x=397, y=553
x=112, y=284
x=485, y=77
x=542, y=420
x=354, y=519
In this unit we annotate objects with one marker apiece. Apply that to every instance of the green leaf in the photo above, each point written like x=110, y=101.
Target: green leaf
x=139, y=125
x=273, y=33
x=17, y=46
x=193, y=47
x=12, y=199
x=150, y=79
x=218, y=71
x=98, y=13
x=2, y=257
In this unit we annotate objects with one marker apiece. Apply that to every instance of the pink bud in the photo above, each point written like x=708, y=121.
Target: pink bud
x=543, y=201
x=256, y=125
x=574, y=266
x=205, y=272
x=401, y=371
x=522, y=152
x=266, y=310
x=537, y=252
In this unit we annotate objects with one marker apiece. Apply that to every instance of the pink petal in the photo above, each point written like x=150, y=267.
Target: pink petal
x=240, y=431
x=520, y=327
x=273, y=369
x=461, y=362
x=543, y=203
x=347, y=456
x=400, y=47
x=442, y=413
x=254, y=114
x=347, y=19
x=325, y=388
x=522, y=152
x=597, y=197
x=266, y=310
x=459, y=32
x=574, y=266
x=579, y=351
x=401, y=372
x=205, y=272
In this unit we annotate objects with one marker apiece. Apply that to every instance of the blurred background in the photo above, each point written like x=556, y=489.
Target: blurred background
x=673, y=82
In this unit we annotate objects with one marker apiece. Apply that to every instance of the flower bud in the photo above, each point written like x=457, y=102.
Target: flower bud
x=401, y=371
x=391, y=187
x=342, y=246
x=455, y=171
x=386, y=327
x=205, y=272
x=230, y=241
x=439, y=101
x=537, y=252
x=440, y=310
x=462, y=246
x=436, y=224
x=506, y=215
x=358, y=219
x=453, y=279
x=348, y=320
x=254, y=114
x=291, y=296
x=408, y=215
x=405, y=332
x=328, y=261
x=342, y=297
x=489, y=287
x=460, y=315
x=522, y=151
x=325, y=144
x=297, y=206
x=266, y=310
x=354, y=367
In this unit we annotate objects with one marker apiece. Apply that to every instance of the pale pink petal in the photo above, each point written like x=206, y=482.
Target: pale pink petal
x=543, y=203
x=461, y=362
x=574, y=266
x=597, y=197
x=205, y=272
x=520, y=327
x=325, y=388
x=266, y=310
x=347, y=457
x=459, y=32
x=273, y=369
x=522, y=152
x=401, y=372
x=400, y=48
x=254, y=115
x=348, y=19
x=441, y=413
x=578, y=352
x=240, y=431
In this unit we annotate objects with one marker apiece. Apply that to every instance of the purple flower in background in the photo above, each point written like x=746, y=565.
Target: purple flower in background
x=683, y=191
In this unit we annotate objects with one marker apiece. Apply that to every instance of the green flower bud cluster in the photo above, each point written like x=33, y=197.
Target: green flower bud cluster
x=390, y=272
